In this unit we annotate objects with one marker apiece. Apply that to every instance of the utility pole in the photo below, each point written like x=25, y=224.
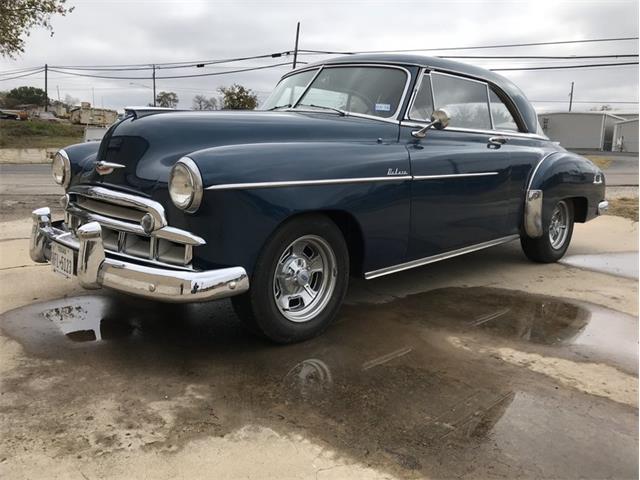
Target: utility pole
x=46, y=87
x=58, y=89
x=154, y=84
x=571, y=97
x=295, y=50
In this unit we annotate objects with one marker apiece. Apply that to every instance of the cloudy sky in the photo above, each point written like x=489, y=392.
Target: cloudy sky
x=107, y=32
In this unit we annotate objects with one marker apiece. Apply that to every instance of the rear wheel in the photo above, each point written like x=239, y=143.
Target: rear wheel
x=553, y=243
x=299, y=282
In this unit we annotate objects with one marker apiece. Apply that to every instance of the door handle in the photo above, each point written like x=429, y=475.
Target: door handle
x=496, y=142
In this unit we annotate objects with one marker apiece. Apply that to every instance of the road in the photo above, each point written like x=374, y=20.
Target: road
x=28, y=179
x=623, y=170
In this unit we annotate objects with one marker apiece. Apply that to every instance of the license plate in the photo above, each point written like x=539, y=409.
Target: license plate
x=62, y=260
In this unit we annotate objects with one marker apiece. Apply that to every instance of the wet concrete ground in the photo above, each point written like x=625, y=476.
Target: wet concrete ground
x=453, y=382
x=623, y=264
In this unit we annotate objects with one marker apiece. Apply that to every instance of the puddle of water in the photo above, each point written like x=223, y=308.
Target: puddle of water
x=382, y=384
x=622, y=264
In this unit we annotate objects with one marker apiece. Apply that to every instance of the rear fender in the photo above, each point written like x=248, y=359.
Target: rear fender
x=558, y=176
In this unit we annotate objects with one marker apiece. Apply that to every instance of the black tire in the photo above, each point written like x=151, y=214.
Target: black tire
x=543, y=249
x=258, y=309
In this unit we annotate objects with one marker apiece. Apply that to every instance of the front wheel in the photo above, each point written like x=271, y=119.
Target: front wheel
x=556, y=236
x=299, y=281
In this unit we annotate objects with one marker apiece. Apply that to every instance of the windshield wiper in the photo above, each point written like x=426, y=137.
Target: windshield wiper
x=279, y=106
x=341, y=112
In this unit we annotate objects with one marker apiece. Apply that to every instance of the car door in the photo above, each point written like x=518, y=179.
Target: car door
x=462, y=193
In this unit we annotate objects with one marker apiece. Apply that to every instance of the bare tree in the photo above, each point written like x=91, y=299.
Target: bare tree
x=167, y=99
x=200, y=102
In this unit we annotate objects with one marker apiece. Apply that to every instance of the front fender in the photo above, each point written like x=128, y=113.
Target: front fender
x=561, y=175
x=247, y=197
x=80, y=155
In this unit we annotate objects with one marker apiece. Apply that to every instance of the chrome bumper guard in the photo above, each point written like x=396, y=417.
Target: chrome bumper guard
x=603, y=206
x=95, y=270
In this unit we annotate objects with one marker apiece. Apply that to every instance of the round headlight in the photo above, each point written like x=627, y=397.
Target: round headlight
x=61, y=169
x=185, y=185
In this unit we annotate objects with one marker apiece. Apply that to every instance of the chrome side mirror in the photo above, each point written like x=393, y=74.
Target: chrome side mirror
x=439, y=120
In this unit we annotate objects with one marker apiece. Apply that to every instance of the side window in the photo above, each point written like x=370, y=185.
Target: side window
x=422, y=107
x=502, y=118
x=466, y=101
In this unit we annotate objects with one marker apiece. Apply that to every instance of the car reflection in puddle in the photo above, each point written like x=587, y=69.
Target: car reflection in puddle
x=383, y=384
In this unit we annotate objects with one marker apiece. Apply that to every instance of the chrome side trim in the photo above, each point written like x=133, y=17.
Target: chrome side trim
x=338, y=181
x=454, y=175
x=126, y=200
x=533, y=214
x=304, y=183
x=436, y=258
x=537, y=167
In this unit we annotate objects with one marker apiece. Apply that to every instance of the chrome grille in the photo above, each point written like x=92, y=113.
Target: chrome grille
x=122, y=234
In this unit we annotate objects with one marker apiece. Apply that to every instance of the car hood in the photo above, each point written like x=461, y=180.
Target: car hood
x=149, y=146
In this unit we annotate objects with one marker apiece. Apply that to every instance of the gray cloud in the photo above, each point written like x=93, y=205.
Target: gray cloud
x=119, y=32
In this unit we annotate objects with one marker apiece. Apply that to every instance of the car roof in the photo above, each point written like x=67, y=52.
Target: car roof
x=519, y=99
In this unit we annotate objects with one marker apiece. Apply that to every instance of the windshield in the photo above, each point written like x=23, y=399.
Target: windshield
x=288, y=90
x=375, y=91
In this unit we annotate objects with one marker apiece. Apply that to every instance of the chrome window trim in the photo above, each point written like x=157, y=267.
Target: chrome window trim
x=433, y=93
x=304, y=183
x=437, y=258
x=426, y=70
x=504, y=133
x=306, y=87
x=391, y=118
x=466, y=75
x=493, y=125
x=421, y=74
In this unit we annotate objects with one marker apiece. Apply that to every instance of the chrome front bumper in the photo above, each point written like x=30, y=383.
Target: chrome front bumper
x=95, y=270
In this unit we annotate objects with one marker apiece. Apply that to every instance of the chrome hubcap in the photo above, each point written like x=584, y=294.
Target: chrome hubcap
x=305, y=278
x=559, y=226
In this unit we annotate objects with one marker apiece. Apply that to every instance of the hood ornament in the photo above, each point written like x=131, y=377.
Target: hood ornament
x=105, y=168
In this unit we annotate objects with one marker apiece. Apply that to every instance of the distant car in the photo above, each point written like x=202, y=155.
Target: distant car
x=10, y=115
x=365, y=165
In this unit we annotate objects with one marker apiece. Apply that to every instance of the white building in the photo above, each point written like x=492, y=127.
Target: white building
x=580, y=130
x=625, y=136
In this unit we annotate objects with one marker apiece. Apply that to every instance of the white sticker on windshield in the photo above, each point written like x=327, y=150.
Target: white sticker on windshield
x=383, y=107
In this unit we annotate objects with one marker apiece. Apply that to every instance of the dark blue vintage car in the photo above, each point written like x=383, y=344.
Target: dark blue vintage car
x=365, y=165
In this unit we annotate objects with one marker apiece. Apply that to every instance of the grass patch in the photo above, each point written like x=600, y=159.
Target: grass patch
x=626, y=207
x=600, y=161
x=38, y=134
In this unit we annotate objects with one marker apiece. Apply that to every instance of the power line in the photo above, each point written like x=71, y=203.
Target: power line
x=537, y=57
x=24, y=75
x=585, y=101
x=173, y=76
x=172, y=65
x=474, y=47
x=564, y=67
